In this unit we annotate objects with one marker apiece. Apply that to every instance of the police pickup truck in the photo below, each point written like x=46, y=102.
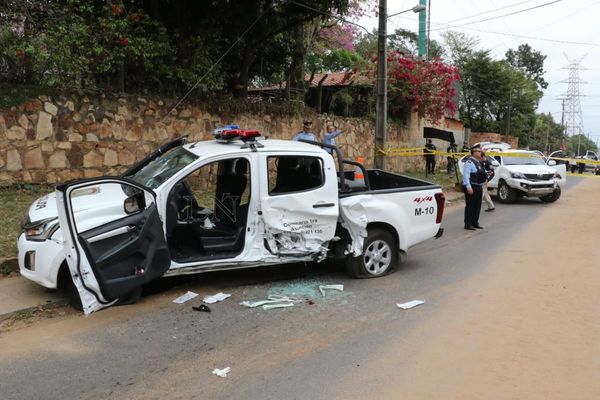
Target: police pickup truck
x=238, y=201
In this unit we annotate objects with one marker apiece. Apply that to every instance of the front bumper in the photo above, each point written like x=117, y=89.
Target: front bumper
x=533, y=188
x=40, y=261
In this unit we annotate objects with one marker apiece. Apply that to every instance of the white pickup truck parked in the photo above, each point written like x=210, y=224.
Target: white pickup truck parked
x=237, y=201
x=520, y=173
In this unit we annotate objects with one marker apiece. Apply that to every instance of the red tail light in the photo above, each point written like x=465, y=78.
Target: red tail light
x=440, y=199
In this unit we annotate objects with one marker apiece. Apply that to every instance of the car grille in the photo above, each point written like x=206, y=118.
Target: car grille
x=539, y=177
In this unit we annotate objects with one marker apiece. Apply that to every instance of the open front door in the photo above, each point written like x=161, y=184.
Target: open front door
x=114, y=241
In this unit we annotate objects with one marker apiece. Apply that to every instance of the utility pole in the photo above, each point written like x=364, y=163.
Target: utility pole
x=380, y=126
x=509, y=107
x=422, y=30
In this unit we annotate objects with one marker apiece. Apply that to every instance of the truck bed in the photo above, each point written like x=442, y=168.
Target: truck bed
x=384, y=182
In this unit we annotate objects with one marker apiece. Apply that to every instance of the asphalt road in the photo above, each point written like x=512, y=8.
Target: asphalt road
x=323, y=348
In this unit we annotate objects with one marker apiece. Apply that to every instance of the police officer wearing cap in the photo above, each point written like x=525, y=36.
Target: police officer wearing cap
x=474, y=176
x=305, y=133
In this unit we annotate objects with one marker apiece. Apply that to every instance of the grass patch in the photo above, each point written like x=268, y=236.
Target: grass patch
x=441, y=178
x=14, y=201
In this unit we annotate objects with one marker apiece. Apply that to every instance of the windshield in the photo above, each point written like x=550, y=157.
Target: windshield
x=159, y=170
x=525, y=159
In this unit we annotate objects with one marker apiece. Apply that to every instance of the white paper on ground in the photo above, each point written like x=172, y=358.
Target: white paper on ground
x=271, y=299
x=277, y=305
x=221, y=372
x=182, y=299
x=216, y=297
x=410, y=304
x=323, y=288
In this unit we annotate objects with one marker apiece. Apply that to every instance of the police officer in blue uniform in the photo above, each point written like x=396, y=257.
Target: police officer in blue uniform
x=474, y=176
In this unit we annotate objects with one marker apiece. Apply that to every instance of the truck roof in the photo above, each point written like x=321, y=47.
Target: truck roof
x=234, y=147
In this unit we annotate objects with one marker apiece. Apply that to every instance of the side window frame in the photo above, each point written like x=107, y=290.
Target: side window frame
x=279, y=157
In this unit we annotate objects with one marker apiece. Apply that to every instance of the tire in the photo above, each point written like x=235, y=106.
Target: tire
x=506, y=194
x=65, y=283
x=552, y=197
x=379, y=258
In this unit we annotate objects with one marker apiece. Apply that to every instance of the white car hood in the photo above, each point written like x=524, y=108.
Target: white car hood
x=45, y=206
x=531, y=169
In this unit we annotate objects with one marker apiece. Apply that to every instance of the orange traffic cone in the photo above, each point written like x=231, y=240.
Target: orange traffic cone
x=358, y=173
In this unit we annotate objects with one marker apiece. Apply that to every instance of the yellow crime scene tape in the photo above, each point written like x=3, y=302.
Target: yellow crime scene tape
x=419, y=151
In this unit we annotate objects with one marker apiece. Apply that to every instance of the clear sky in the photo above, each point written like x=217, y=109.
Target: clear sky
x=565, y=27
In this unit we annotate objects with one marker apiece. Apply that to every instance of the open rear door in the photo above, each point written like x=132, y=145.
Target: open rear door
x=114, y=241
x=560, y=166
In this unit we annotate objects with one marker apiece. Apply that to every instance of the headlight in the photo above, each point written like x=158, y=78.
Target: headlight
x=40, y=230
x=518, y=175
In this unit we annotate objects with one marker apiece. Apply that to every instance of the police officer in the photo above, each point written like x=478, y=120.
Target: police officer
x=306, y=132
x=429, y=157
x=474, y=176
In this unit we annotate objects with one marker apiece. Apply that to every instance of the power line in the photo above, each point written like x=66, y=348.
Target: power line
x=486, y=12
x=512, y=13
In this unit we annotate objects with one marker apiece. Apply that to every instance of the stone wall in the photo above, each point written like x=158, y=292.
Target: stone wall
x=49, y=140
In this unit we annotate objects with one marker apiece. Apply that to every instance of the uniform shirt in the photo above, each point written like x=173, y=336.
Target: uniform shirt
x=470, y=168
x=330, y=139
x=305, y=136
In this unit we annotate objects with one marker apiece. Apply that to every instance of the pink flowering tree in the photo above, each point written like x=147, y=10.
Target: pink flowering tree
x=427, y=87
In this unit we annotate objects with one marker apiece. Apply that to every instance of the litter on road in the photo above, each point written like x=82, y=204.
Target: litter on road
x=216, y=297
x=221, y=372
x=186, y=297
x=323, y=288
x=273, y=301
x=277, y=305
x=410, y=304
x=201, y=307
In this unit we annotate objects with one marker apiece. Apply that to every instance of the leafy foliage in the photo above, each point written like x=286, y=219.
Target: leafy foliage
x=426, y=87
x=497, y=95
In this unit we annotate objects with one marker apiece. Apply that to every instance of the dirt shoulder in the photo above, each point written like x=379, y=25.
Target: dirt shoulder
x=526, y=329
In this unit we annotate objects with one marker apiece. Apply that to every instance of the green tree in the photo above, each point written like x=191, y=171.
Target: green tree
x=529, y=61
x=579, y=144
x=547, y=135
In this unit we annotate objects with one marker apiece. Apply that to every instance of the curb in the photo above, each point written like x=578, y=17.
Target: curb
x=41, y=307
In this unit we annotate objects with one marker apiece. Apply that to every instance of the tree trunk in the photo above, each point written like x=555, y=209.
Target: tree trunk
x=297, y=84
x=240, y=79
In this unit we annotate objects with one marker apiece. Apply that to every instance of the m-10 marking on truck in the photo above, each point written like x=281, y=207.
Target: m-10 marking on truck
x=424, y=211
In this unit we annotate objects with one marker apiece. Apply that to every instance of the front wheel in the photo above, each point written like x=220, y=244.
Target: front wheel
x=552, y=197
x=380, y=256
x=506, y=194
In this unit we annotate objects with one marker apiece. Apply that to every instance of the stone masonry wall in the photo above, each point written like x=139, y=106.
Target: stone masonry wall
x=50, y=140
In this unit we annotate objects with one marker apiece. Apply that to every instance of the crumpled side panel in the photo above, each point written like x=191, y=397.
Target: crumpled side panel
x=353, y=216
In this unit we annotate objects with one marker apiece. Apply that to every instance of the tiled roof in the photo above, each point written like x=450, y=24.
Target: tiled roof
x=332, y=79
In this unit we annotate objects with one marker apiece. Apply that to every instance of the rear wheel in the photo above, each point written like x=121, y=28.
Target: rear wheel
x=552, y=197
x=380, y=256
x=506, y=194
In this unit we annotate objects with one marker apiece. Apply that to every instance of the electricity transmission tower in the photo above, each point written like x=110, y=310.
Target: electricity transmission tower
x=572, y=109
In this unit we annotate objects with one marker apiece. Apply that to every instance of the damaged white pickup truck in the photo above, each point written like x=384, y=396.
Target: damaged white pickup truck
x=237, y=201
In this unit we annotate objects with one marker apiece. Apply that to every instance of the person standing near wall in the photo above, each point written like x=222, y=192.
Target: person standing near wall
x=451, y=161
x=474, y=177
x=489, y=170
x=330, y=134
x=306, y=132
x=429, y=157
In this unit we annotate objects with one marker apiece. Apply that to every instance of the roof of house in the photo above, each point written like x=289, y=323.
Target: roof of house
x=329, y=79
